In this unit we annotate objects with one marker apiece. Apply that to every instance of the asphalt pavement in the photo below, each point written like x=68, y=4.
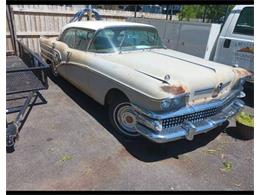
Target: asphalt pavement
x=68, y=144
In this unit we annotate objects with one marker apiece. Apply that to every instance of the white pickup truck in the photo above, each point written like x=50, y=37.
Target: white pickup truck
x=233, y=44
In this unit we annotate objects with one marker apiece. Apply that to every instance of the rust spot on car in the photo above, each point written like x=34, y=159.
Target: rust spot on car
x=175, y=90
x=129, y=119
x=242, y=72
x=247, y=49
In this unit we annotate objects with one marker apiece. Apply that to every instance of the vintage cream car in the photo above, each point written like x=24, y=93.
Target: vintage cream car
x=150, y=90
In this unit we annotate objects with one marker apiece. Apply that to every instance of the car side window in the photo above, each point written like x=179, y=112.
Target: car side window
x=103, y=42
x=68, y=37
x=245, y=22
x=82, y=39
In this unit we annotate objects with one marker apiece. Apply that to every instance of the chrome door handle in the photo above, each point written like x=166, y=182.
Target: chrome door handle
x=227, y=43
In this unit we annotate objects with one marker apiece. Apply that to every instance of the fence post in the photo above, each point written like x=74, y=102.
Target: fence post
x=10, y=20
x=171, y=12
x=167, y=8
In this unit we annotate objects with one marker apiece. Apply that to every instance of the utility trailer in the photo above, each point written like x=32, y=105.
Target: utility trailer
x=26, y=75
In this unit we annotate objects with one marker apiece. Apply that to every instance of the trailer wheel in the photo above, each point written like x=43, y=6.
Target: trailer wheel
x=11, y=134
x=10, y=149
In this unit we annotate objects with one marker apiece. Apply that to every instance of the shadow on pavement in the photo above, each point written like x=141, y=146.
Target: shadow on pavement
x=232, y=131
x=140, y=147
x=249, y=91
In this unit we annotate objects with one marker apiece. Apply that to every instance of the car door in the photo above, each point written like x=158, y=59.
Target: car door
x=77, y=66
x=236, y=45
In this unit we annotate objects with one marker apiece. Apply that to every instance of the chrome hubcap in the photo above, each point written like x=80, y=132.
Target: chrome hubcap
x=125, y=119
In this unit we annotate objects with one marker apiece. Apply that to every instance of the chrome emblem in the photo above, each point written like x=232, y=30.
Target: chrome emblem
x=167, y=77
x=217, y=90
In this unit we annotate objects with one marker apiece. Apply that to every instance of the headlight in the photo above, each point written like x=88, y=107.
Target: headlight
x=174, y=103
x=166, y=104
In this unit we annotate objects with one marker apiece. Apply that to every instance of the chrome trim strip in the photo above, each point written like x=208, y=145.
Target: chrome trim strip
x=209, y=90
x=154, y=77
x=204, y=91
x=186, y=61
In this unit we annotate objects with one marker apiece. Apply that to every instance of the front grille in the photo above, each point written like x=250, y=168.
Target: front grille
x=193, y=117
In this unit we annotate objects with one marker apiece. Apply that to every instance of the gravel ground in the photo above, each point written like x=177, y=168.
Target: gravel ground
x=68, y=144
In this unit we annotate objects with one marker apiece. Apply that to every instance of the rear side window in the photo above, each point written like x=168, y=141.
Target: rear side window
x=68, y=37
x=82, y=39
x=245, y=22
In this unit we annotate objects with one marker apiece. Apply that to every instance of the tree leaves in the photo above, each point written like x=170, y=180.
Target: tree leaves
x=212, y=13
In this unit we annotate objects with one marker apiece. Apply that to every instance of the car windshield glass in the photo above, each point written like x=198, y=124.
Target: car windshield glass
x=125, y=39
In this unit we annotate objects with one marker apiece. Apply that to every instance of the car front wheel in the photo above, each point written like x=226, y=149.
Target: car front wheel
x=122, y=117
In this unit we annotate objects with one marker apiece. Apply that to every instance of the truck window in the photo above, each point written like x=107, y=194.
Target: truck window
x=245, y=22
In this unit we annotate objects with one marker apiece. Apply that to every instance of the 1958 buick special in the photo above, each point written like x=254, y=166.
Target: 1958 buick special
x=150, y=90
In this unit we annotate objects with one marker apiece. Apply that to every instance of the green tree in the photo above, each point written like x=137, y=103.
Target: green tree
x=209, y=13
x=188, y=12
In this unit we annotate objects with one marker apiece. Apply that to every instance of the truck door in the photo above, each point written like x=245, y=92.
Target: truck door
x=236, y=42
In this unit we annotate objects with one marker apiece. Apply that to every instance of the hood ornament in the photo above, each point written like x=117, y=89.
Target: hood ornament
x=167, y=77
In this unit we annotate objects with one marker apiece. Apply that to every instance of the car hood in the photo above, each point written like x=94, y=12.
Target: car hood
x=199, y=77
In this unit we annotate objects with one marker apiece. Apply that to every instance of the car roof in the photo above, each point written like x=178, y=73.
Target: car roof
x=240, y=7
x=96, y=25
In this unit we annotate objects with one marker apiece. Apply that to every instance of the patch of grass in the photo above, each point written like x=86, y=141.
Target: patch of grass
x=211, y=151
x=66, y=158
x=237, y=184
x=50, y=150
x=87, y=171
x=245, y=119
x=227, y=166
x=14, y=64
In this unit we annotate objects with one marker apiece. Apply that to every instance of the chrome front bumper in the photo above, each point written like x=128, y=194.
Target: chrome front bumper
x=232, y=105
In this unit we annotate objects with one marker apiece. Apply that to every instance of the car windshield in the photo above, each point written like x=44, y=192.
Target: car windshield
x=125, y=39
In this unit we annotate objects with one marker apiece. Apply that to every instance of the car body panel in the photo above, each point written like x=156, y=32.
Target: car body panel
x=140, y=74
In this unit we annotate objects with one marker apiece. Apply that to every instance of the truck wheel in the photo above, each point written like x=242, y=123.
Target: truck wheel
x=122, y=117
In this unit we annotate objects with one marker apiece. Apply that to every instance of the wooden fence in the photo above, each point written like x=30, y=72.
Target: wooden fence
x=32, y=21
